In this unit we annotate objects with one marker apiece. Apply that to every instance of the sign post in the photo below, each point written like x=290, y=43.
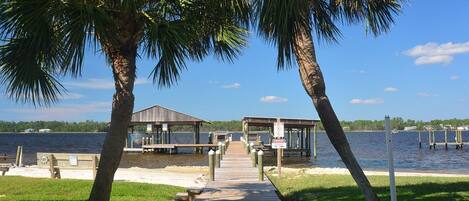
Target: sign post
x=279, y=143
x=392, y=180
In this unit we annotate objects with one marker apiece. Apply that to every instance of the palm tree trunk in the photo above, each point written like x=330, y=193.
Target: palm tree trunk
x=313, y=82
x=123, y=66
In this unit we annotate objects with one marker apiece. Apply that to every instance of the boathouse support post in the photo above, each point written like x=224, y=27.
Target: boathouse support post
x=211, y=165
x=430, y=139
x=433, y=139
x=315, y=142
x=260, y=165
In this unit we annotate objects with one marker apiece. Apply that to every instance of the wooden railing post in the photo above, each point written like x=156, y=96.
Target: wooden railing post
x=260, y=165
x=211, y=165
x=217, y=158
x=253, y=157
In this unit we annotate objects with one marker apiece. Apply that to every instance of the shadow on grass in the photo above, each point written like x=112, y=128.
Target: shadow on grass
x=424, y=191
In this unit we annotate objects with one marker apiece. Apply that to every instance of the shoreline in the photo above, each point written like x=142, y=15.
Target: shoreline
x=189, y=176
x=368, y=172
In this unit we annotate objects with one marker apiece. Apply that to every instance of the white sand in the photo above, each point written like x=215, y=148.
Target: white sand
x=176, y=176
x=344, y=171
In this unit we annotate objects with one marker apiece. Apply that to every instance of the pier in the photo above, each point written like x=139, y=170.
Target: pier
x=458, y=140
x=236, y=179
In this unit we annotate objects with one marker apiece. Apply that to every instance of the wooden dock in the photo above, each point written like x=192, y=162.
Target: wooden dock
x=236, y=179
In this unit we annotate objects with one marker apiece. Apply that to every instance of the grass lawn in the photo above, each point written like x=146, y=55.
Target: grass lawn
x=342, y=187
x=24, y=188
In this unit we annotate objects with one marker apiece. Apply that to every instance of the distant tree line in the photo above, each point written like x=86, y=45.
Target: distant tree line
x=234, y=125
x=55, y=126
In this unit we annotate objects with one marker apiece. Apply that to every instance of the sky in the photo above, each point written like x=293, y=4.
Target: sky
x=419, y=70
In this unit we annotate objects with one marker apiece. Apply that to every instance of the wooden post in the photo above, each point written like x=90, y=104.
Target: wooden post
x=433, y=138
x=279, y=161
x=420, y=141
x=223, y=148
x=21, y=156
x=17, y=160
x=430, y=139
x=217, y=158
x=253, y=157
x=93, y=165
x=51, y=166
x=260, y=165
x=315, y=142
x=446, y=139
x=211, y=165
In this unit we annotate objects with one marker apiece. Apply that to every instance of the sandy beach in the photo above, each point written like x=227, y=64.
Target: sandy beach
x=172, y=175
x=194, y=176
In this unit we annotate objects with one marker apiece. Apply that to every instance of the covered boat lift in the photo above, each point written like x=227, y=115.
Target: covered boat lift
x=158, y=121
x=302, y=128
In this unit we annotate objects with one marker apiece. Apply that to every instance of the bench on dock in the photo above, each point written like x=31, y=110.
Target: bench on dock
x=56, y=161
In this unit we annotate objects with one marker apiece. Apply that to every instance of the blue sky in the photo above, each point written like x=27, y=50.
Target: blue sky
x=419, y=70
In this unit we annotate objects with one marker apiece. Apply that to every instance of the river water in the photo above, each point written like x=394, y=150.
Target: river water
x=368, y=147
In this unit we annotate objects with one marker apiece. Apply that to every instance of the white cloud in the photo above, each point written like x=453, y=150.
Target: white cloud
x=454, y=77
x=445, y=59
x=372, y=101
x=231, y=86
x=94, y=83
x=432, y=53
x=391, y=89
x=425, y=94
x=62, y=112
x=273, y=99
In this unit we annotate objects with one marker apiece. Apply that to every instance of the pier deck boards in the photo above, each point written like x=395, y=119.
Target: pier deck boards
x=236, y=179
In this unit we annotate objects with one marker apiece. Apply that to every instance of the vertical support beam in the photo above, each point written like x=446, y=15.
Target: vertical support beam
x=392, y=180
x=433, y=139
x=315, y=142
x=446, y=139
x=302, y=139
x=17, y=160
x=169, y=134
x=430, y=144
x=420, y=140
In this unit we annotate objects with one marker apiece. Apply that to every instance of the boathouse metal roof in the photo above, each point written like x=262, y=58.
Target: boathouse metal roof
x=288, y=122
x=157, y=115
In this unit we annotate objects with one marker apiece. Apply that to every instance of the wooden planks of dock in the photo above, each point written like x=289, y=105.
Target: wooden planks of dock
x=236, y=179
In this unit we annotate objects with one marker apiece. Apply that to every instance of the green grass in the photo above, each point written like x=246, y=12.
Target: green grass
x=340, y=187
x=23, y=188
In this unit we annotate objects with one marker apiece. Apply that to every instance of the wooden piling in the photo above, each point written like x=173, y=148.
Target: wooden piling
x=420, y=141
x=260, y=165
x=217, y=158
x=211, y=165
x=253, y=157
x=446, y=139
x=315, y=142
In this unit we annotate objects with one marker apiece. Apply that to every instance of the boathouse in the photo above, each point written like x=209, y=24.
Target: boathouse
x=158, y=121
x=297, y=133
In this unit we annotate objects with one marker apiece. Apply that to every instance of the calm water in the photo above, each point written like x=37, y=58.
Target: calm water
x=369, y=149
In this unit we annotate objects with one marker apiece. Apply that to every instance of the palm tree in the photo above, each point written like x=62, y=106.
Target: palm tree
x=44, y=40
x=290, y=26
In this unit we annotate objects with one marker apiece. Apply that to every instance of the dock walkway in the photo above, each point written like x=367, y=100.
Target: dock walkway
x=236, y=179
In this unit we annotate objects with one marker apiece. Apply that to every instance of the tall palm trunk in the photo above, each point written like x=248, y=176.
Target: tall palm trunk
x=123, y=67
x=313, y=82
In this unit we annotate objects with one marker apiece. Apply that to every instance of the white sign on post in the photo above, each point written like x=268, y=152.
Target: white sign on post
x=279, y=129
x=279, y=144
x=164, y=127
